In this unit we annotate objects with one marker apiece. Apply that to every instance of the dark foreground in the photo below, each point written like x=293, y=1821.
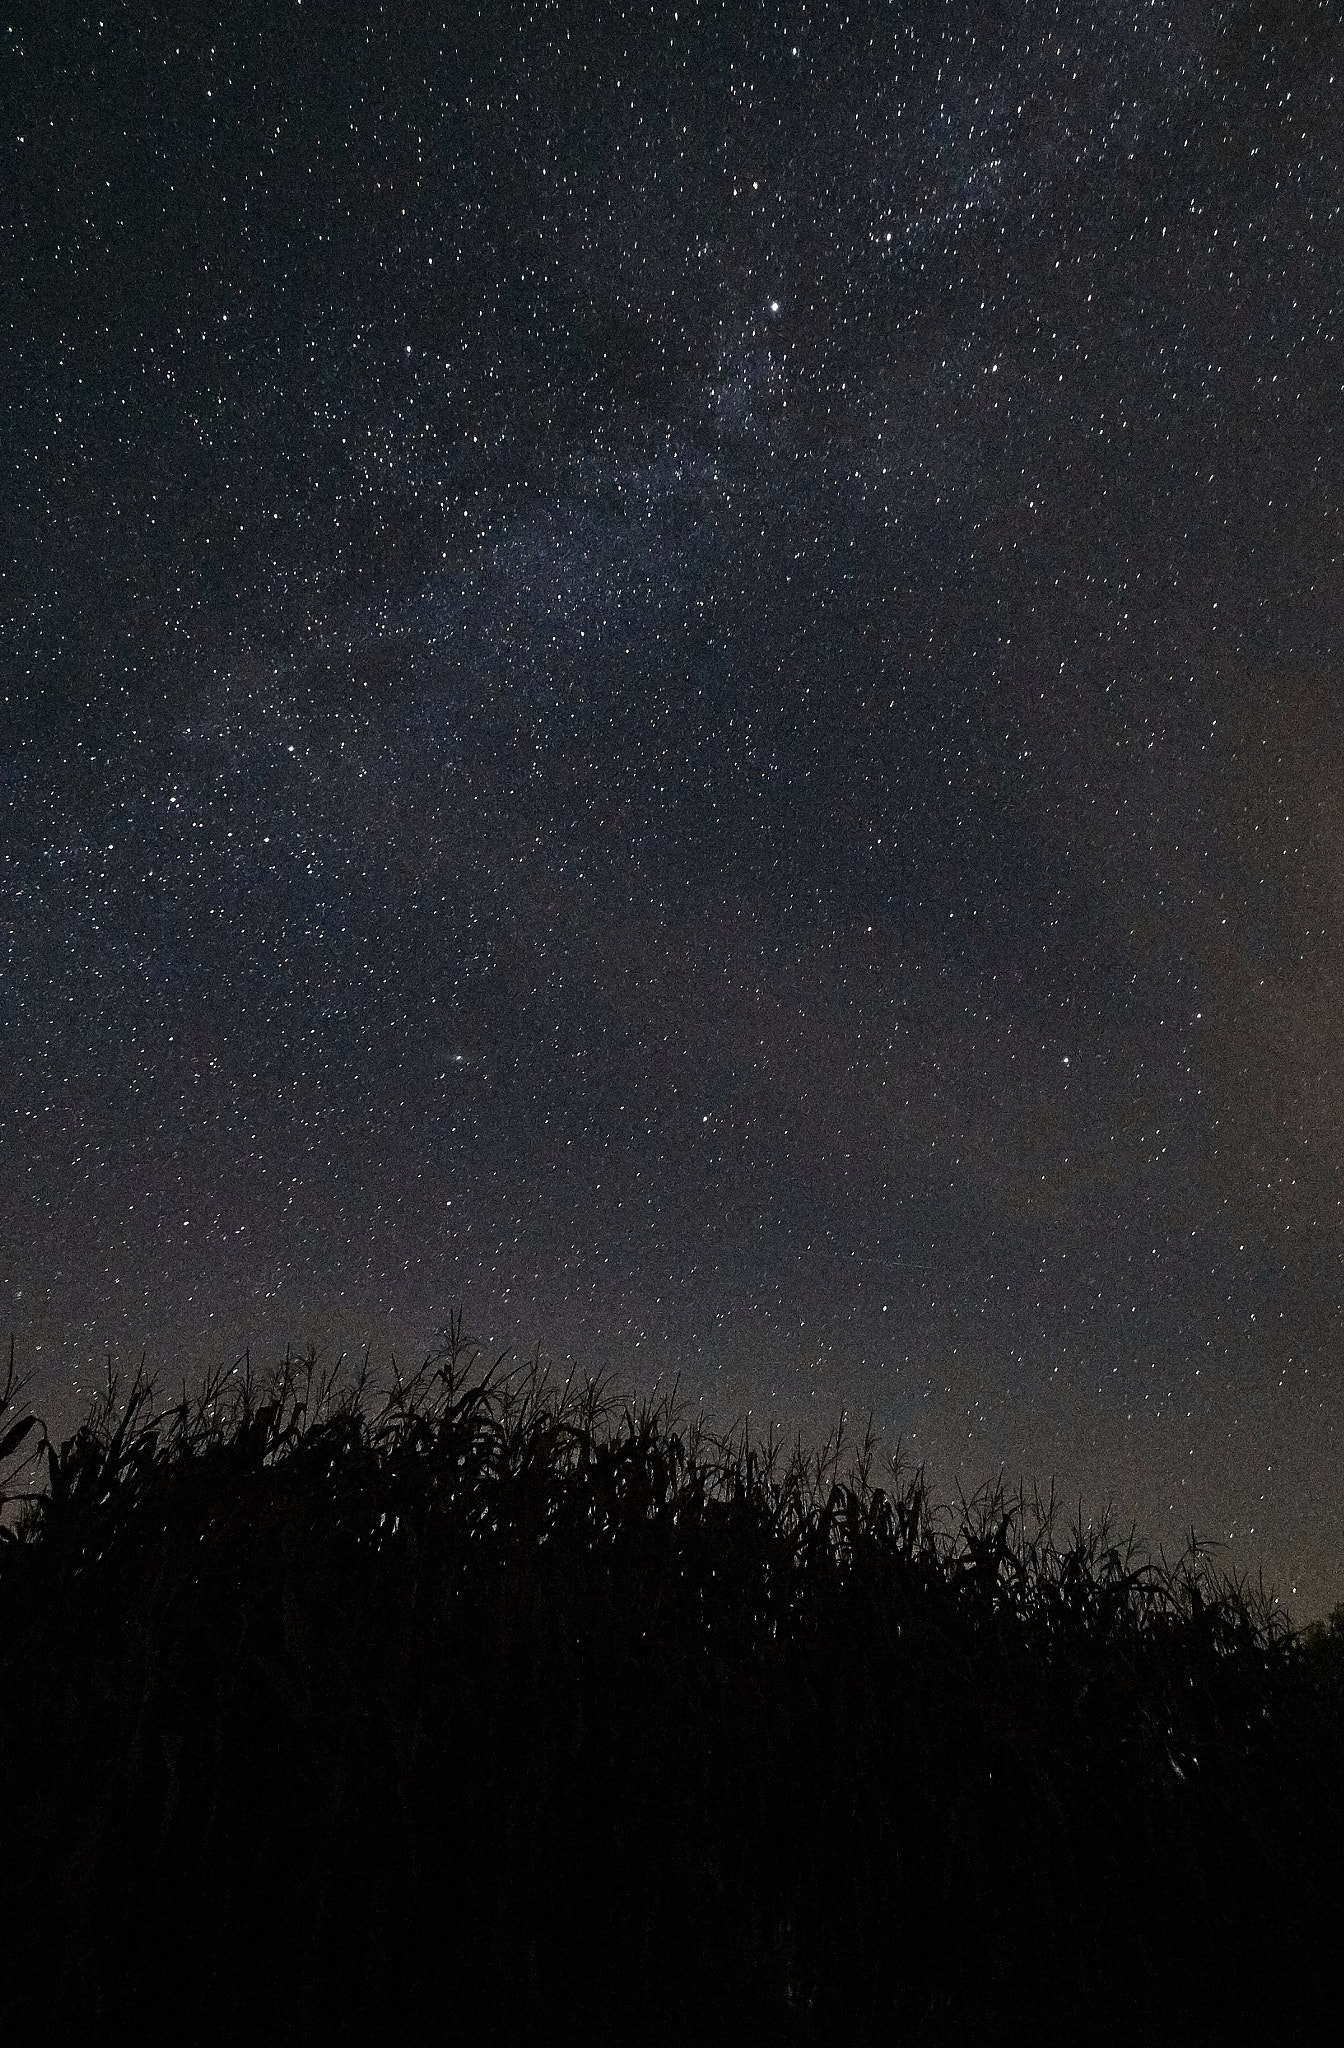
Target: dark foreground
x=468, y=1714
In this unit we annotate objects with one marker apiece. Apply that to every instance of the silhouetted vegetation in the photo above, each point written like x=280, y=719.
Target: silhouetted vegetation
x=474, y=1709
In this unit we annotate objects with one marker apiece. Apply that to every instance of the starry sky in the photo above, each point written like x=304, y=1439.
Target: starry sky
x=674, y=671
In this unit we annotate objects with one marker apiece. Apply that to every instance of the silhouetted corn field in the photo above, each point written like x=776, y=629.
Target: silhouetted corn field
x=473, y=1710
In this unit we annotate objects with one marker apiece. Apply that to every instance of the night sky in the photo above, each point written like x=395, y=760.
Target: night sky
x=675, y=672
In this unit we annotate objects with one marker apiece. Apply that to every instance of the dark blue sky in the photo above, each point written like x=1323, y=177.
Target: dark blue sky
x=676, y=672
